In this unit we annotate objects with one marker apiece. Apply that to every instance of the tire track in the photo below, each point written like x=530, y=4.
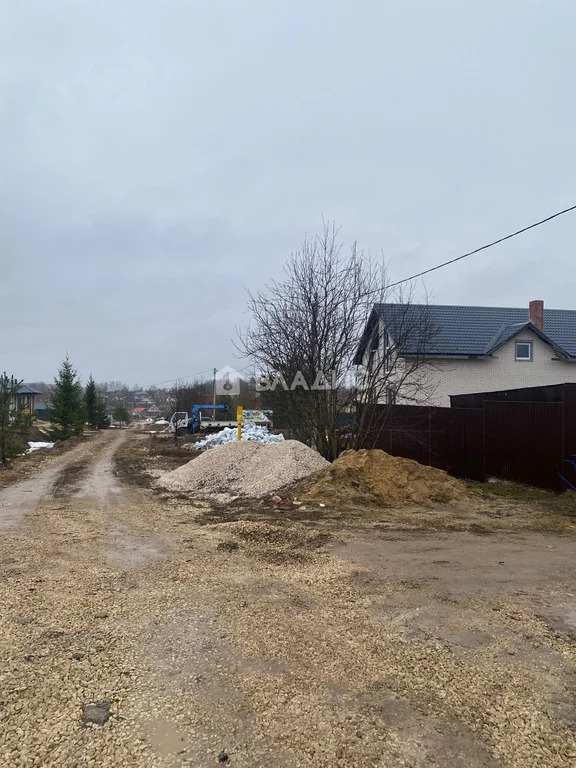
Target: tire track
x=78, y=472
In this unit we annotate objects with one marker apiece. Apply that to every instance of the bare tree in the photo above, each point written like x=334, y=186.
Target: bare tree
x=176, y=396
x=184, y=395
x=310, y=332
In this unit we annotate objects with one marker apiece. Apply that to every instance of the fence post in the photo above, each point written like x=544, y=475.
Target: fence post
x=429, y=436
x=483, y=442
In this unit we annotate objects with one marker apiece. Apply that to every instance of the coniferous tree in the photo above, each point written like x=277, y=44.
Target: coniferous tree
x=102, y=417
x=96, y=411
x=15, y=422
x=67, y=411
x=91, y=403
x=121, y=414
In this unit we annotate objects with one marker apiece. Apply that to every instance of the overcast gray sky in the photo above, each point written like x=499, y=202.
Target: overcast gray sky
x=156, y=154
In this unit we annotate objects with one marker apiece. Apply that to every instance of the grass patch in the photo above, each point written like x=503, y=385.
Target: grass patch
x=549, y=501
x=71, y=476
x=138, y=455
x=167, y=446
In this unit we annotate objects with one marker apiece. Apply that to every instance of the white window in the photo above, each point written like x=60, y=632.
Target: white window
x=373, y=361
x=387, y=353
x=523, y=350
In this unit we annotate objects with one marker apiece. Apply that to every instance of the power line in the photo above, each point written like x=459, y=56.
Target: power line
x=181, y=378
x=192, y=375
x=465, y=255
x=413, y=277
x=482, y=248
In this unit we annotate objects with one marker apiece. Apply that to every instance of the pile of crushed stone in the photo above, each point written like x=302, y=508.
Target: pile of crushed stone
x=249, y=468
x=375, y=477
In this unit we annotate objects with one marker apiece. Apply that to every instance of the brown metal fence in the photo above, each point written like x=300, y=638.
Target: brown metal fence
x=519, y=441
x=524, y=442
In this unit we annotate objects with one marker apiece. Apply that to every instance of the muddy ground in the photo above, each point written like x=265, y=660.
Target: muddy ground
x=277, y=637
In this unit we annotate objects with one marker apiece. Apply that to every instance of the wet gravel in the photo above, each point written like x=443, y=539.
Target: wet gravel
x=279, y=651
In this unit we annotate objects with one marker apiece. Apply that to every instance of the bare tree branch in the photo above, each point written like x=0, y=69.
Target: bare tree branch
x=311, y=325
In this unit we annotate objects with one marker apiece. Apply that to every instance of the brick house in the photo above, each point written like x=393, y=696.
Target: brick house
x=469, y=349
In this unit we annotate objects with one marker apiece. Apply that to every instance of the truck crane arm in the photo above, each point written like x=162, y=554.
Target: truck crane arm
x=196, y=415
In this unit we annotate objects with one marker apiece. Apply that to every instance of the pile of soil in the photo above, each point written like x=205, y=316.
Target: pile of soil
x=248, y=469
x=375, y=477
x=37, y=435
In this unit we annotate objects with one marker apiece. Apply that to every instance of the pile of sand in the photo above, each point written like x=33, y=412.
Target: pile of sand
x=249, y=469
x=375, y=477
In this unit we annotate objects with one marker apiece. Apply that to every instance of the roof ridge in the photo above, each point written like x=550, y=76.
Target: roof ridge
x=467, y=306
x=467, y=329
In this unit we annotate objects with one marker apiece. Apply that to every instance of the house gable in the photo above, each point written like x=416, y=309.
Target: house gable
x=509, y=332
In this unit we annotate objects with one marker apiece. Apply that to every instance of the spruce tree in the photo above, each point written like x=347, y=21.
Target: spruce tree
x=67, y=411
x=121, y=414
x=91, y=403
x=14, y=423
x=102, y=413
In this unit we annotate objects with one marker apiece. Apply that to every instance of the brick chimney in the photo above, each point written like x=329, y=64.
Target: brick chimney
x=536, y=311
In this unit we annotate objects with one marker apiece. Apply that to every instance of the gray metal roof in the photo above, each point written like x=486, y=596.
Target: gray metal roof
x=26, y=390
x=458, y=330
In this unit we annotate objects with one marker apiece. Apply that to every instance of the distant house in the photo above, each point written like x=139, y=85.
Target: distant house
x=468, y=349
x=41, y=410
x=26, y=398
x=153, y=411
x=139, y=413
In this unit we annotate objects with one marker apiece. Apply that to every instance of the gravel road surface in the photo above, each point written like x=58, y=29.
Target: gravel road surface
x=273, y=643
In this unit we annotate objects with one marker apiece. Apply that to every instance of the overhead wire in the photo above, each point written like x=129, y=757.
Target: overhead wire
x=482, y=247
x=181, y=378
x=415, y=276
x=192, y=375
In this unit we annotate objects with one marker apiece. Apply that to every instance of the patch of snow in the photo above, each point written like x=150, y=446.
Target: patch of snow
x=250, y=431
x=162, y=421
x=34, y=446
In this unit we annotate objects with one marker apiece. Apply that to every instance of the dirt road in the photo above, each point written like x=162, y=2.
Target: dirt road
x=278, y=643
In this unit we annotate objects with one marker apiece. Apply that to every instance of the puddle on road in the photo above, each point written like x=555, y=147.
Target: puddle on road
x=131, y=553
x=165, y=737
x=570, y=619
